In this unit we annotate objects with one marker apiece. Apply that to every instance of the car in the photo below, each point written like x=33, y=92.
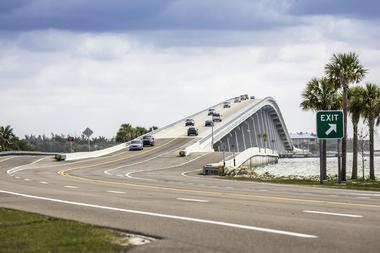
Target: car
x=211, y=111
x=209, y=122
x=136, y=145
x=226, y=104
x=237, y=100
x=217, y=117
x=189, y=122
x=192, y=131
x=246, y=96
x=148, y=140
x=252, y=97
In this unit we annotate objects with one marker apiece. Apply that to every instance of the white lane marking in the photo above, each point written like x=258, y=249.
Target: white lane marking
x=43, y=182
x=184, y=173
x=120, y=175
x=6, y=159
x=17, y=177
x=175, y=217
x=335, y=214
x=117, y=192
x=169, y=167
x=365, y=194
x=108, y=172
x=362, y=197
x=193, y=200
x=27, y=179
x=21, y=167
x=70, y=186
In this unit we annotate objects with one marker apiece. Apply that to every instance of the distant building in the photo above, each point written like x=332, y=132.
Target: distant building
x=303, y=140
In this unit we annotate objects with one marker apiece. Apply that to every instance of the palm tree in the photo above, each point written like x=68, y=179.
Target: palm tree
x=371, y=111
x=7, y=138
x=355, y=106
x=343, y=70
x=320, y=94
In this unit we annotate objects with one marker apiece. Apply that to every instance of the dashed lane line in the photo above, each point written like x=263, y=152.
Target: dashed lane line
x=334, y=214
x=168, y=216
x=70, y=186
x=117, y=192
x=43, y=182
x=193, y=200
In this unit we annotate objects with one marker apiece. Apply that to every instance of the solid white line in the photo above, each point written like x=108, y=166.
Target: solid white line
x=193, y=200
x=70, y=186
x=220, y=223
x=366, y=194
x=20, y=168
x=5, y=159
x=335, y=214
x=166, y=168
x=117, y=192
x=43, y=182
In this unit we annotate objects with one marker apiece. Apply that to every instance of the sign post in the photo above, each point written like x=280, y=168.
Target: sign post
x=88, y=132
x=330, y=127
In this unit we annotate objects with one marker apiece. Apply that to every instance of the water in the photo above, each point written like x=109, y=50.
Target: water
x=309, y=167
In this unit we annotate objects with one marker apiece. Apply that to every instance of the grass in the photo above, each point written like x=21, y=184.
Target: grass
x=369, y=185
x=29, y=233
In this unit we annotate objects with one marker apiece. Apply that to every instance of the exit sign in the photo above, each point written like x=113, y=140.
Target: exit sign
x=330, y=124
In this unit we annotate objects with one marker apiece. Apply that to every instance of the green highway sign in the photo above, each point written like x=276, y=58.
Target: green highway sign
x=330, y=124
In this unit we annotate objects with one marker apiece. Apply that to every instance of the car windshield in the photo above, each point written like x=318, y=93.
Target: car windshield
x=136, y=142
x=188, y=120
x=147, y=137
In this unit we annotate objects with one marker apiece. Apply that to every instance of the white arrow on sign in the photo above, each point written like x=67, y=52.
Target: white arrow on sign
x=332, y=128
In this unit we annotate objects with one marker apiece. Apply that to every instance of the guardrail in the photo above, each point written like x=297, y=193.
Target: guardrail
x=8, y=153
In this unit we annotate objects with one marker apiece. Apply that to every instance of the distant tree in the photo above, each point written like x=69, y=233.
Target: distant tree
x=371, y=112
x=320, y=94
x=343, y=70
x=355, y=106
x=7, y=138
x=127, y=132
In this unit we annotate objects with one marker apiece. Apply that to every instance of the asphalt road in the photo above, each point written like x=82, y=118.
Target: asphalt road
x=157, y=193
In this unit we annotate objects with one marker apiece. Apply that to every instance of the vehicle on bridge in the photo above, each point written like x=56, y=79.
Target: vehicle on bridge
x=237, y=100
x=252, y=97
x=148, y=140
x=226, y=104
x=136, y=145
x=192, y=131
x=189, y=122
x=211, y=111
x=217, y=117
x=209, y=123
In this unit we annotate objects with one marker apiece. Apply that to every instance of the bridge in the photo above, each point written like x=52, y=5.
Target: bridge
x=158, y=193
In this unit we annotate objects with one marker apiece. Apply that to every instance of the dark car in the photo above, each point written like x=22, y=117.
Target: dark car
x=252, y=97
x=226, y=104
x=192, y=131
x=209, y=122
x=237, y=100
x=211, y=111
x=148, y=140
x=189, y=122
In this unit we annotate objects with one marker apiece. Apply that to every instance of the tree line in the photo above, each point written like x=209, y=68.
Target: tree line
x=60, y=142
x=341, y=88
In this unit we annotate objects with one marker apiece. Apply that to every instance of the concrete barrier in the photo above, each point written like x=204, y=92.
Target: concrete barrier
x=15, y=153
x=92, y=154
x=251, y=157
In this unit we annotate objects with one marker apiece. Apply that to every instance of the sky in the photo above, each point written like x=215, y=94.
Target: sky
x=68, y=65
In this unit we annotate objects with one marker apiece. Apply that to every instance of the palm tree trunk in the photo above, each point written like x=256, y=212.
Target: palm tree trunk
x=324, y=143
x=371, y=123
x=355, y=152
x=344, y=140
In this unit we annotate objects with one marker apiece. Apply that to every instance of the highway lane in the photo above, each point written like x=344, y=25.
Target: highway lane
x=239, y=203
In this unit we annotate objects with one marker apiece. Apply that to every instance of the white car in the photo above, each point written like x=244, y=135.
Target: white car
x=217, y=117
x=136, y=145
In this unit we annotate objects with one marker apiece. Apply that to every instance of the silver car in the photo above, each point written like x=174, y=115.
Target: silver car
x=136, y=145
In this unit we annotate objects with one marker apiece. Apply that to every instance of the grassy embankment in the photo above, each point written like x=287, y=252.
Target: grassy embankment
x=27, y=232
x=368, y=185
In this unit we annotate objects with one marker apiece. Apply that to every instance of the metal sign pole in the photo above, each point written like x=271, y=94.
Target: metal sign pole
x=320, y=162
x=339, y=164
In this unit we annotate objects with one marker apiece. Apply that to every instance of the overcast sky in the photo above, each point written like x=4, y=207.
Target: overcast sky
x=66, y=65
